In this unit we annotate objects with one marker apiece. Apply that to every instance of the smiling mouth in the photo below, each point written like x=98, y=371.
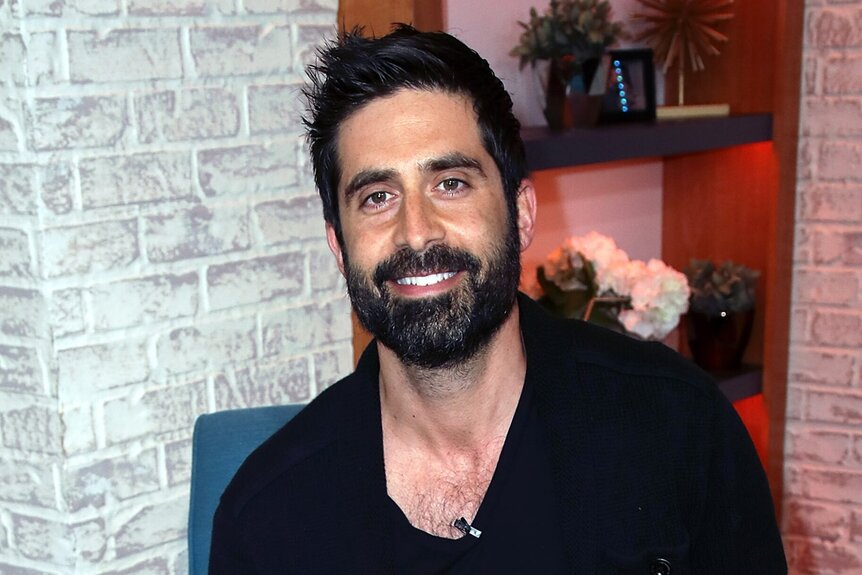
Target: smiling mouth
x=423, y=281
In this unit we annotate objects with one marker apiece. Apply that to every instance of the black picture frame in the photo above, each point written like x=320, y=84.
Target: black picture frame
x=629, y=94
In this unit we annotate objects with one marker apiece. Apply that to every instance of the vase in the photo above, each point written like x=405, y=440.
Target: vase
x=566, y=101
x=717, y=343
x=556, y=88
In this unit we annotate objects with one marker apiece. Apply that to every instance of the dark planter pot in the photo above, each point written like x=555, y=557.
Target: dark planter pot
x=718, y=343
x=585, y=109
x=566, y=108
x=556, y=110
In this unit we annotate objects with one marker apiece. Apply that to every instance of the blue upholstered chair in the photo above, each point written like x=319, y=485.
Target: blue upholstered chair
x=220, y=444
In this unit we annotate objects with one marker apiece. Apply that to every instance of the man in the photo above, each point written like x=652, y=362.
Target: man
x=478, y=434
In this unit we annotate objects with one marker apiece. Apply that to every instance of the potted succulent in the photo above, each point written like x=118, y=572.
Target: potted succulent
x=571, y=35
x=721, y=312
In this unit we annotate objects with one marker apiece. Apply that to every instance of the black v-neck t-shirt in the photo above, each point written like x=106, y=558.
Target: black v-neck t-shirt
x=519, y=516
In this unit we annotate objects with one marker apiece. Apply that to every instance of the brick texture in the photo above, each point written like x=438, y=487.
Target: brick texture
x=90, y=248
x=56, y=187
x=76, y=122
x=162, y=255
x=24, y=482
x=241, y=50
x=118, y=478
x=180, y=115
x=238, y=171
x=290, y=220
x=101, y=366
x=180, y=7
x=16, y=261
x=16, y=190
x=72, y=8
x=124, y=55
x=822, y=516
x=140, y=178
x=24, y=317
x=145, y=300
x=255, y=281
x=196, y=232
x=273, y=109
x=20, y=369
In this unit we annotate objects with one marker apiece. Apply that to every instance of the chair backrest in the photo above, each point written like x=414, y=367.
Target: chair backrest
x=220, y=444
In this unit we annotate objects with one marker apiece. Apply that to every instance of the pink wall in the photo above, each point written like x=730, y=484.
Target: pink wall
x=823, y=450
x=622, y=200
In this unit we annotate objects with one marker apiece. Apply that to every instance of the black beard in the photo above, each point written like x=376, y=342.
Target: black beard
x=446, y=330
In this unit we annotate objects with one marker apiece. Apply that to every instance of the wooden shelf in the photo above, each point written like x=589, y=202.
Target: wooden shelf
x=547, y=149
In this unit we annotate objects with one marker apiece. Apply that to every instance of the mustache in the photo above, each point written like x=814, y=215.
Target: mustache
x=437, y=258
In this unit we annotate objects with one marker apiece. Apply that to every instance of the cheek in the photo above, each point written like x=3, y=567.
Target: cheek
x=362, y=254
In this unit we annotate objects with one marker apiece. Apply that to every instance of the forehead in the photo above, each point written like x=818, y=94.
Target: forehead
x=406, y=128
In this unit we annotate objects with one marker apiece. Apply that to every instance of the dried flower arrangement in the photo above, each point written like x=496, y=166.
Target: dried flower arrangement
x=680, y=30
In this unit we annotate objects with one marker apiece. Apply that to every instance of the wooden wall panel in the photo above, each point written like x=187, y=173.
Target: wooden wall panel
x=789, y=17
x=739, y=203
x=717, y=206
x=377, y=16
x=743, y=74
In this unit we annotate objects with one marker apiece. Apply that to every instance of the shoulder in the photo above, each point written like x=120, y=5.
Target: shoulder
x=597, y=357
x=601, y=349
x=300, y=447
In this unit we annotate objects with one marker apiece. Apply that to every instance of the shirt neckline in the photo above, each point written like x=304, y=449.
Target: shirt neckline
x=488, y=508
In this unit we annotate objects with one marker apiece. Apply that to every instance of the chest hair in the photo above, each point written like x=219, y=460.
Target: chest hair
x=433, y=493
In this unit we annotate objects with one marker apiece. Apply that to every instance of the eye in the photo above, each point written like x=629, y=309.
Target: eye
x=452, y=185
x=376, y=199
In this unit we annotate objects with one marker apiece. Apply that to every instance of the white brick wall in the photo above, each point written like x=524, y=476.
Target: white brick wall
x=823, y=448
x=161, y=256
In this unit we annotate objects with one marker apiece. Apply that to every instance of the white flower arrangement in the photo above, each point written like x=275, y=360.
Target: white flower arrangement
x=590, y=278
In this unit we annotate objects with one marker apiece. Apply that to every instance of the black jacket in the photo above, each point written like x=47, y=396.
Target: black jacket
x=650, y=462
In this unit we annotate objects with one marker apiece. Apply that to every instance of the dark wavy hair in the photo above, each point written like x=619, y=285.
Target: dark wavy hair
x=352, y=70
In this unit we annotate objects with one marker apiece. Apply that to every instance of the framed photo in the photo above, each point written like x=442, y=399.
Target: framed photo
x=629, y=86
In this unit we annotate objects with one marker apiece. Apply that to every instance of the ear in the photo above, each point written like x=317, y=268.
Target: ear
x=334, y=246
x=526, y=202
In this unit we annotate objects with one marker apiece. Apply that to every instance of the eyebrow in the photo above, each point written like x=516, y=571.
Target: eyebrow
x=364, y=178
x=446, y=162
x=451, y=161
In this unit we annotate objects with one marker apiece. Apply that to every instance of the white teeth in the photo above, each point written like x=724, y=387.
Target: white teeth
x=425, y=280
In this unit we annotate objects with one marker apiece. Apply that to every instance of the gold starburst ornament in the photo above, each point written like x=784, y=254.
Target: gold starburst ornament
x=680, y=30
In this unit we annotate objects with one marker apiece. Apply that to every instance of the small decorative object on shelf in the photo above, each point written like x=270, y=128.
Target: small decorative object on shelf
x=571, y=36
x=680, y=30
x=721, y=313
x=590, y=278
x=630, y=86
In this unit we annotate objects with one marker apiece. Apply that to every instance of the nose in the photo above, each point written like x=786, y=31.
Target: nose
x=419, y=225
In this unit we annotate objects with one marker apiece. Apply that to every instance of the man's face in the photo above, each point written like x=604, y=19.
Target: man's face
x=430, y=253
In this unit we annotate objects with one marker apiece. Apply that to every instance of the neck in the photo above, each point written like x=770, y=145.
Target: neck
x=455, y=408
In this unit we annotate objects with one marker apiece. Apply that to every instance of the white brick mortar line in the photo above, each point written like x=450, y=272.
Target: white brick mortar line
x=188, y=61
x=245, y=130
x=162, y=466
x=210, y=390
x=203, y=291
